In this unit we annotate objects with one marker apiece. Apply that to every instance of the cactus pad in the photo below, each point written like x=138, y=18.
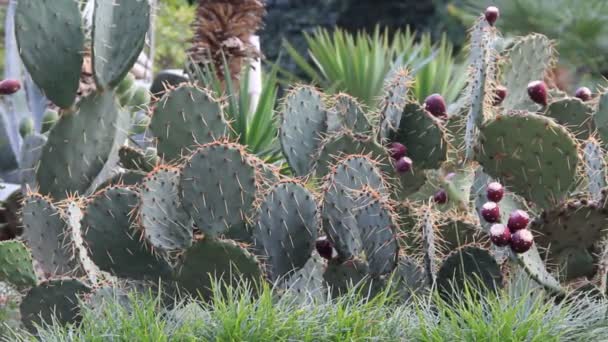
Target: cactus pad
x=395, y=98
x=457, y=232
x=601, y=118
x=423, y=135
x=31, y=150
x=47, y=233
x=185, y=117
x=55, y=298
x=115, y=245
x=79, y=146
x=409, y=277
x=134, y=159
x=126, y=178
x=575, y=263
x=595, y=168
x=533, y=264
x=51, y=41
x=341, y=277
x=348, y=114
x=165, y=222
x=304, y=122
x=539, y=162
x=218, y=185
x=306, y=282
x=16, y=266
x=221, y=260
x=469, y=263
x=286, y=227
x=119, y=33
x=574, y=114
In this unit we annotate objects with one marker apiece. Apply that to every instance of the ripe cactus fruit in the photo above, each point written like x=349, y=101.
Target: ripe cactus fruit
x=537, y=90
x=397, y=150
x=435, y=104
x=403, y=165
x=490, y=212
x=521, y=241
x=495, y=192
x=492, y=13
x=583, y=93
x=441, y=196
x=518, y=220
x=500, y=93
x=9, y=86
x=500, y=235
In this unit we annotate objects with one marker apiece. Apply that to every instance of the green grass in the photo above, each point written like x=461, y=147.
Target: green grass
x=522, y=313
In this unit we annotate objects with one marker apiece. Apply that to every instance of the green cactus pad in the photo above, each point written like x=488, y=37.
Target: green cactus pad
x=594, y=158
x=457, y=232
x=218, y=185
x=135, y=159
x=80, y=145
x=31, y=150
x=47, y=233
x=304, y=123
x=307, y=282
x=115, y=245
x=576, y=223
x=601, y=118
x=527, y=60
x=534, y=156
x=574, y=114
x=423, y=135
x=342, y=277
x=222, y=260
x=126, y=178
x=394, y=99
x=376, y=225
x=286, y=229
x=429, y=242
x=119, y=34
x=408, y=278
x=469, y=263
x=533, y=264
x=348, y=114
x=347, y=178
x=165, y=222
x=185, y=117
x=57, y=298
x=51, y=41
x=575, y=263
x=16, y=266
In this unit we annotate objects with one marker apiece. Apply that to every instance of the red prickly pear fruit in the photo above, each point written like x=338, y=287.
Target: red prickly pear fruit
x=9, y=86
x=500, y=235
x=495, y=192
x=403, y=165
x=441, y=197
x=325, y=248
x=397, y=150
x=492, y=13
x=518, y=220
x=435, y=104
x=537, y=90
x=500, y=93
x=521, y=241
x=583, y=93
x=490, y=212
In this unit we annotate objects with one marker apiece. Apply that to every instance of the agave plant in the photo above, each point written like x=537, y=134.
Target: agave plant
x=359, y=63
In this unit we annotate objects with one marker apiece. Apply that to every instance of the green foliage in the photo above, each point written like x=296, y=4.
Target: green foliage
x=173, y=32
x=358, y=64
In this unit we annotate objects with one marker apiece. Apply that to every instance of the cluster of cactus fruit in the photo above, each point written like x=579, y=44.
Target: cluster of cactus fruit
x=397, y=198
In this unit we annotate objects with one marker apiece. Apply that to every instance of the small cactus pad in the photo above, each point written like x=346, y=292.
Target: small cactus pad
x=114, y=243
x=135, y=159
x=595, y=168
x=306, y=282
x=355, y=171
x=527, y=60
x=601, y=118
x=533, y=264
x=409, y=277
x=16, y=266
x=457, y=232
x=575, y=223
x=339, y=145
x=52, y=299
x=429, y=242
x=341, y=277
x=79, y=146
x=304, y=122
x=376, y=225
x=348, y=114
x=469, y=263
x=184, y=118
x=165, y=222
x=51, y=41
x=218, y=185
x=212, y=260
x=534, y=156
x=31, y=150
x=423, y=135
x=574, y=114
x=286, y=230
x=575, y=263
x=47, y=233
x=394, y=99
x=119, y=34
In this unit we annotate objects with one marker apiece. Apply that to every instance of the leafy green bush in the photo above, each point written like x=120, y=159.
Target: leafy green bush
x=173, y=33
x=358, y=63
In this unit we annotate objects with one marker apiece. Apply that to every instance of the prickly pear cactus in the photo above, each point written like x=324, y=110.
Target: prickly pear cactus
x=16, y=264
